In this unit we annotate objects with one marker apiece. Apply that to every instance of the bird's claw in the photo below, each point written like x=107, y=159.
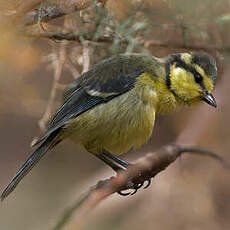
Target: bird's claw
x=124, y=193
x=135, y=187
x=148, y=184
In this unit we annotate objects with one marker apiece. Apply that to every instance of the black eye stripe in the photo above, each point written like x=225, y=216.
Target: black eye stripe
x=207, y=63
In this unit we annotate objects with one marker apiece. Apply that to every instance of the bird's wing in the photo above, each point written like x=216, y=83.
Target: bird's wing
x=100, y=85
x=105, y=81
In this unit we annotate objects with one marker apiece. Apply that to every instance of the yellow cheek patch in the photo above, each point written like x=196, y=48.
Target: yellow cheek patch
x=208, y=83
x=183, y=83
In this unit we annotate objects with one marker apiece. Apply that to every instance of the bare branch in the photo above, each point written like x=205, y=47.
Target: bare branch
x=73, y=70
x=58, y=66
x=109, y=39
x=145, y=169
x=86, y=57
x=51, y=10
x=69, y=36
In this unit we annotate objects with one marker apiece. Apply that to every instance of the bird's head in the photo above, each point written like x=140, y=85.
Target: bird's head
x=191, y=77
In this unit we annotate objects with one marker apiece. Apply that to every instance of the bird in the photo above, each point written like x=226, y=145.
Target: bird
x=111, y=109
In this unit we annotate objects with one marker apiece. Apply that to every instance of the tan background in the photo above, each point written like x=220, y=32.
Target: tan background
x=193, y=193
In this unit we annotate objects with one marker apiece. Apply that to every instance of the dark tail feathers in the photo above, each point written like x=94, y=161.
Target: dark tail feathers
x=49, y=143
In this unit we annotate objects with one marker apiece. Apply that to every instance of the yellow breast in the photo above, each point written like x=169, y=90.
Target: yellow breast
x=124, y=123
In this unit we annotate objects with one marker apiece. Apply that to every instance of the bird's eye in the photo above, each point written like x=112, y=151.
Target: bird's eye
x=198, y=78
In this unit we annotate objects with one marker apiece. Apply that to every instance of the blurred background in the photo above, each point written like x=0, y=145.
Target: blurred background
x=36, y=64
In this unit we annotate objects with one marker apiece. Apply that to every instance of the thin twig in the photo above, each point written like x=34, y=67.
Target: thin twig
x=86, y=57
x=58, y=66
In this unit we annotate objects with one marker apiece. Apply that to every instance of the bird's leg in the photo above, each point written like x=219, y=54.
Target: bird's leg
x=118, y=164
x=118, y=160
x=110, y=163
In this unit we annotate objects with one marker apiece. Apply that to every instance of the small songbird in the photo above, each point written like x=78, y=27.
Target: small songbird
x=111, y=108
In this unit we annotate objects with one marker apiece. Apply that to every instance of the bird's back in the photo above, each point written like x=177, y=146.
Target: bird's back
x=115, y=67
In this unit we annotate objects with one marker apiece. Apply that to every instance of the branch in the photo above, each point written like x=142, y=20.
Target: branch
x=58, y=68
x=51, y=10
x=71, y=36
x=145, y=169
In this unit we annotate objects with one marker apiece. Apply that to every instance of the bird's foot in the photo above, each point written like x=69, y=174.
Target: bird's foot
x=119, y=165
x=135, y=184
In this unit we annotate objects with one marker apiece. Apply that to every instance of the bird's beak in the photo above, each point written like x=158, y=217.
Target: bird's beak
x=209, y=98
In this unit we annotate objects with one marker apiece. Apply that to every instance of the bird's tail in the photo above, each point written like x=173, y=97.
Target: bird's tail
x=49, y=143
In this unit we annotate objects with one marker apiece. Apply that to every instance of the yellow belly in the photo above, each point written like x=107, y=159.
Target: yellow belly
x=126, y=122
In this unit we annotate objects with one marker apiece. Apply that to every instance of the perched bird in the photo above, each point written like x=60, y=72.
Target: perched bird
x=111, y=108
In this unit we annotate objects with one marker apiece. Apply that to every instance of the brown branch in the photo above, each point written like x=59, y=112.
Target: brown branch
x=58, y=67
x=52, y=10
x=109, y=39
x=69, y=36
x=145, y=169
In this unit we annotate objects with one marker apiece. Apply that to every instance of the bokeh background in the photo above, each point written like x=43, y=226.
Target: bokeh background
x=193, y=193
